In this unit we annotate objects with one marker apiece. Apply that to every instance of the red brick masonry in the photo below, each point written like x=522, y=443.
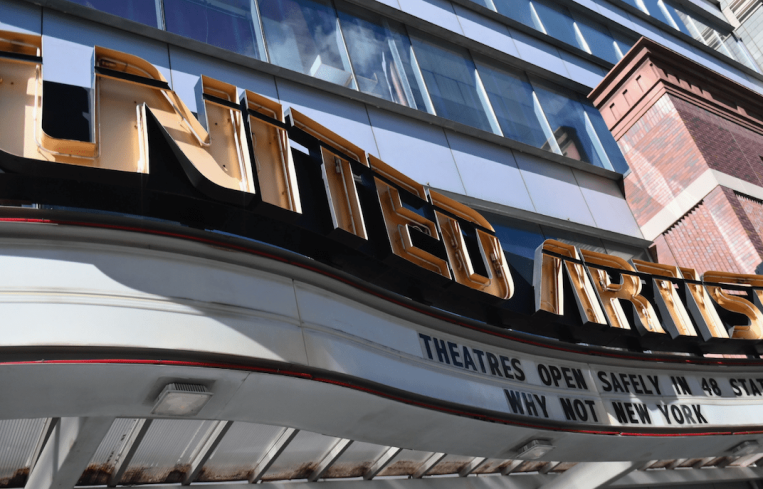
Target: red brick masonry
x=674, y=121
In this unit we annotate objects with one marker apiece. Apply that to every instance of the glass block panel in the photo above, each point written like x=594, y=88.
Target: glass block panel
x=301, y=457
x=304, y=36
x=381, y=57
x=450, y=464
x=355, y=460
x=511, y=97
x=166, y=452
x=239, y=451
x=19, y=439
x=405, y=463
x=102, y=464
x=451, y=79
x=228, y=24
x=143, y=11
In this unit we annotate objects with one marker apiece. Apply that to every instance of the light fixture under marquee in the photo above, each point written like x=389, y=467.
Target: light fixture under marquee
x=534, y=449
x=747, y=447
x=179, y=399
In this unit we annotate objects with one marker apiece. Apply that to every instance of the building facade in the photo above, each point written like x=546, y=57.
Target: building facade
x=494, y=243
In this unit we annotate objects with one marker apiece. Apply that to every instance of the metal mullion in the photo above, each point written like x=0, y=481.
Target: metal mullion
x=428, y=464
x=473, y=465
x=210, y=444
x=419, y=75
x=336, y=451
x=381, y=463
x=128, y=450
x=272, y=453
x=514, y=465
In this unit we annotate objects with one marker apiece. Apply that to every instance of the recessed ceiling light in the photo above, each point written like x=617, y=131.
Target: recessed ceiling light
x=178, y=399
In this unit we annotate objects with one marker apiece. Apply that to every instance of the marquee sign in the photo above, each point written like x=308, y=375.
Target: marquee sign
x=539, y=390
x=247, y=167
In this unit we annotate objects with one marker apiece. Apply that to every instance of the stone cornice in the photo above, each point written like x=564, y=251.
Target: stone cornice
x=650, y=70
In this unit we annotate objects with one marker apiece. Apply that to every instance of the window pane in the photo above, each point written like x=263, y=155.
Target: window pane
x=519, y=240
x=557, y=21
x=450, y=76
x=572, y=130
x=519, y=10
x=598, y=38
x=511, y=96
x=739, y=52
x=683, y=22
x=608, y=142
x=303, y=35
x=657, y=10
x=380, y=52
x=143, y=11
x=223, y=23
x=623, y=43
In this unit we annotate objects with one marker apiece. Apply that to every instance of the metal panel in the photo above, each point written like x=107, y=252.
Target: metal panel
x=102, y=464
x=301, y=457
x=451, y=464
x=238, y=452
x=18, y=441
x=355, y=460
x=165, y=454
x=405, y=463
x=418, y=149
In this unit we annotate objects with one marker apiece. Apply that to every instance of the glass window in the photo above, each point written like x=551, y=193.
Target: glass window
x=571, y=126
x=304, y=36
x=381, y=57
x=557, y=22
x=623, y=44
x=521, y=11
x=658, y=10
x=143, y=11
x=683, y=21
x=229, y=24
x=599, y=39
x=451, y=79
x=511, y=96
x=740, y=53
x=608, y=143
x=519, y=241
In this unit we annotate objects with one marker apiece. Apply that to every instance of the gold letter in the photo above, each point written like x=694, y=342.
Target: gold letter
x=549, y=288
x=674, y=316
x=737, y=304
x=498, y=281
x=126, y=89
x=629, y=289
x=272, y=155
x=702, y=309
x=398, y=220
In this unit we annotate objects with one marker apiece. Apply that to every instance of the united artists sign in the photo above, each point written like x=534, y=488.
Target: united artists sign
x=246, y=167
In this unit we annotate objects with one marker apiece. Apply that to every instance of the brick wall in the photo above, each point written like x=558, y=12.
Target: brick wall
x=725, y=146
x=663, y=159
x=716, y=235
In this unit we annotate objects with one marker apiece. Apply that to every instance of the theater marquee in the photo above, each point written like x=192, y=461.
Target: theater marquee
x=234, y=168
